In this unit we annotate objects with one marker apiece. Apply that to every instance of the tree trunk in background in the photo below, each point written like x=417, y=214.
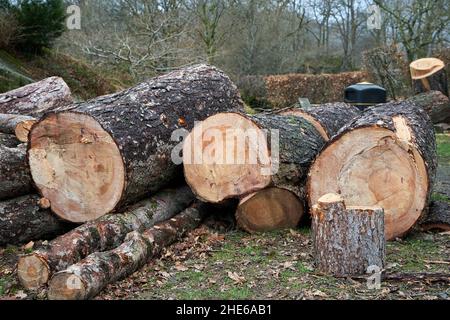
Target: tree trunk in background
x=384, y=158
x=278, y=151
x=438, y=217
x=16, y=124
x=120, y=145
x=87, y=278
x=36, y=98
x=22, y=220
x=348, y=240
x=15, y=177
x=327, y=118
x=103, y=234
x=436, y=104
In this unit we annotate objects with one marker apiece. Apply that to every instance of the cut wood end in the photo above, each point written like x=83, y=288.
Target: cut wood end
x=32, y=271
x=269, y=210
x=76, y=165
x=222, y=161
x=66, y=286
x=425, y=67
x=44, y=203
x=330, y=198
x=23, y=129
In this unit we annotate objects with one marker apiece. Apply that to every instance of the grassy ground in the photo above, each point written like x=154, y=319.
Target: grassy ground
x=279, y=265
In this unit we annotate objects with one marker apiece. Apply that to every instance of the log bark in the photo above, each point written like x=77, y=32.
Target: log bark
x=436, y=104
x=385, y=158
x=269, y=210
x=22, y=220
x=15, y=177
x=8, y=140
x=429, y=74
x=438, y=217
x=347, y=240
x=103, y=234
x=92, y=158
x=328, y=118
x=36, y=98
x=87, y=278
x=18, y=125
x=232, y=155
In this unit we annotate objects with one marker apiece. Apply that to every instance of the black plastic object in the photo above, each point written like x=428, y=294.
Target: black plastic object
x=365, y=94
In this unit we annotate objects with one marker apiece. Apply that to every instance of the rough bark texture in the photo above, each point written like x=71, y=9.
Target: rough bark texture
x=403, y=131
x=347, y=240
x=36, y=98
x=331, y=117
x=22, y=220
x=436, y=104
x=100, y=235
x=8, y=140
x=438, y=217
x=15, y=177
x=437, y=81
x=269, y=210
x=87, y=278
x=142, y=119
x=18, y=125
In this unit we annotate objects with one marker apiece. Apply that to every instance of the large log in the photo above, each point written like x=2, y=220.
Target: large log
x=327, y=118
x=22, y=220
x=347, y=240
x=385, y=158
x=429, y=74
x=269, y=210
x=87, y=278
x=8, y=140
x=36, y=98
x=438, y=217
x=436, y=104
x=103, y=234
x=15, y=177
x=92, y=158
x=18, y=125
x=231, y=155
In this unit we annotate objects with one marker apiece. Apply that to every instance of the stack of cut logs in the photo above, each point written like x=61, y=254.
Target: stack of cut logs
x=106, y=174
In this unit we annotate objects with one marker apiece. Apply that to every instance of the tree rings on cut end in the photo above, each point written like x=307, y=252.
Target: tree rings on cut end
x=32, y=271
x=66, y=286
x=373, y=166
x=226, y=156
x=76, y=165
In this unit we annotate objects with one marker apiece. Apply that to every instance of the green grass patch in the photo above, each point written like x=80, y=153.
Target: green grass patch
x=443, y=145
x=440, y=197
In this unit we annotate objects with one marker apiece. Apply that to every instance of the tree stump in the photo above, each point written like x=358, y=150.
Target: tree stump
x=429, y=74
x=347, y=240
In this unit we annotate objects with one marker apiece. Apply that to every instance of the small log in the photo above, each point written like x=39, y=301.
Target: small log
x=22, y=221
x=231, y=155
x=384, y=158
x=103, y=234
x=327, y=118
x=268, y=210
x=436, y=104
x=18, y=125
x=36, y=98
x=438, y=217
x=15, y=177
x=87, y=278
x=8, y=140
x=347, y=240
x=93, y=158
x=429, y=74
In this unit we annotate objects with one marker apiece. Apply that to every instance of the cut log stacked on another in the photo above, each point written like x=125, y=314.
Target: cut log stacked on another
x=92, y=158
x=87, y=278
x=36, y=98
x=18, y=125
x=327, y=118
x=435, y=103
x=103, y=234
x=429, y=74
x=347, y=240
x=22, y=220
x=385, y=158
x=15, y=177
